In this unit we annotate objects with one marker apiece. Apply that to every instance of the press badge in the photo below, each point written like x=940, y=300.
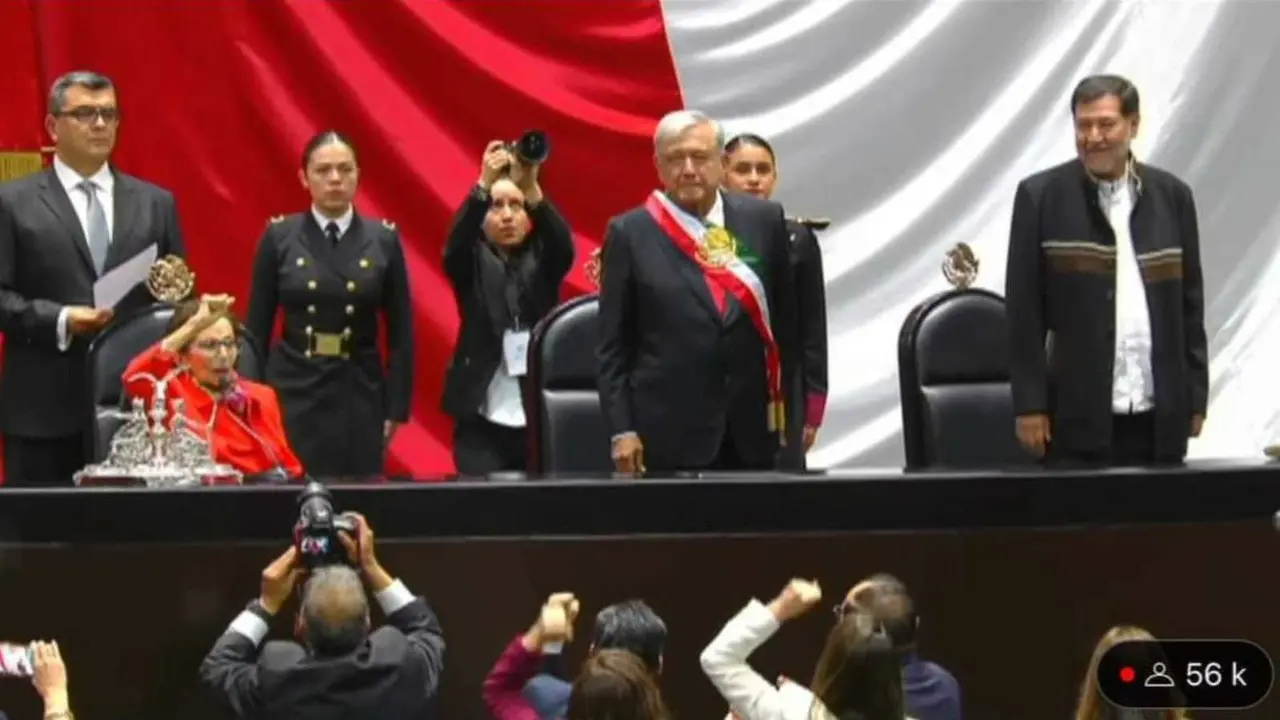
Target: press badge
x=515, y=352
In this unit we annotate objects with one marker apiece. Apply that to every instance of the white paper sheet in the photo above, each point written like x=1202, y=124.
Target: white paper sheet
x=112, y=287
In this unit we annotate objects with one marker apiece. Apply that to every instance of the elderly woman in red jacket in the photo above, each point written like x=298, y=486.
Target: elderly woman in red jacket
x=241, y=419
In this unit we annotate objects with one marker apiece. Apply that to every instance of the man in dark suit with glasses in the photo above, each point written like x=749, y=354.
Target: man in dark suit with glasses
x=60, y=231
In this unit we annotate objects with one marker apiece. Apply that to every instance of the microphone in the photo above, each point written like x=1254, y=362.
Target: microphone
x=232, y=394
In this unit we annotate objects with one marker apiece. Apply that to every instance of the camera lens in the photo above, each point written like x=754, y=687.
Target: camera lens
x=532, y=147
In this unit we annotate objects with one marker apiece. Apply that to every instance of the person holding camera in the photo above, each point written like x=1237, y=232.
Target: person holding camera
x=506, y=256
x=341, y=669
x=333, y=274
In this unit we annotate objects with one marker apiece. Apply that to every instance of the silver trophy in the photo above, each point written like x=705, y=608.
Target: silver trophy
x=157, y=447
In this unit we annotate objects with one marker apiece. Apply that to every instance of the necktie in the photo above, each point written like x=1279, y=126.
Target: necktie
x=331, y=232
x=99, y=234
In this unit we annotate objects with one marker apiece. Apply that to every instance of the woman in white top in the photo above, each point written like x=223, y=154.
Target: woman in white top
x=858, y=675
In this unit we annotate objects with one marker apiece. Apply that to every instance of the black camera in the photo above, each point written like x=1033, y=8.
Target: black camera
x=316, y=533
x=532, y=147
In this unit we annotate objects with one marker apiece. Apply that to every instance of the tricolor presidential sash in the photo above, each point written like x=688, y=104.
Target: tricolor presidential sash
x=722, y=260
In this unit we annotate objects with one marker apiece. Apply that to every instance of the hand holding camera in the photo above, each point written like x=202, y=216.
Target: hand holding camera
x=278, y=581
x=495, y=161
x=519, y=160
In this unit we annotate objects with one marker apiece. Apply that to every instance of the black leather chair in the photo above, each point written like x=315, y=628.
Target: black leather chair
x=567, y=432
x=109, y=355
x=953, y=376
x=112, y=351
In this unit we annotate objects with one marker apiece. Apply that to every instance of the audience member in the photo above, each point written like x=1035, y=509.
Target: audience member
x=513, y=692
x=1093, y=706
x=932, y=693
x=616, y=685
x=344, y=670
x=857, y=674
x=630, y=625
x=502, y=687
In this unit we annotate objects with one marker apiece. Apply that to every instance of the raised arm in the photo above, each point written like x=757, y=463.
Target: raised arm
x=466, y=233
x=555, y=241
x=406, y=613
x=725, y=659
x=503, y=688
x=230, y=669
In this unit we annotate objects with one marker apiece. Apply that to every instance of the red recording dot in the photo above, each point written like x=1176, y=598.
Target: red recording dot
x=1127, y=674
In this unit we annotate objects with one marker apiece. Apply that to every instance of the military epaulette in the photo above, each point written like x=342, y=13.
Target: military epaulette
x=388, y=224
x=812, y=223
x=277, y=219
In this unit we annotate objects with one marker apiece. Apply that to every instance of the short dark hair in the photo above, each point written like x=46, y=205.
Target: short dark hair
x=335, y=609
x=749, y=139
x=187, y=309
x=1096, y=87
x=86, y=79
x=887, y=600
x=328, y=137
x=633, y=626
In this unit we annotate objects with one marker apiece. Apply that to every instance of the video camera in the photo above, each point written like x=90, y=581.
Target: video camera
x=532, y=147
x=316, y=533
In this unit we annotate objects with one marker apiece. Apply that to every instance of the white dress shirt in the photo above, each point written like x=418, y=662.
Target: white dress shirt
x=503, y=403
x=104, y=189
x=715, y=215
x=1131, y=387
x=343, y=220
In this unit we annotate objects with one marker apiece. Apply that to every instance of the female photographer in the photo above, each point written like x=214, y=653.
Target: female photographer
x=506, y=255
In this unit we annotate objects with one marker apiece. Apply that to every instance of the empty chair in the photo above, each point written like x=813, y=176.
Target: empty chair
x=566, y=428
x=953, y=375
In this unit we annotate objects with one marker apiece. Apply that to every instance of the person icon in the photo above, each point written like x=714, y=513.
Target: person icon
x=1159, y=677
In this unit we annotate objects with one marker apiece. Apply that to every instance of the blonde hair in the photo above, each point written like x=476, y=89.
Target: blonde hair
x=1092, y=706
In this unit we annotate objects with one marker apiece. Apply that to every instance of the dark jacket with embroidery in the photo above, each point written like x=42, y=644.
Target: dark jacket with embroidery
x=1060, y=291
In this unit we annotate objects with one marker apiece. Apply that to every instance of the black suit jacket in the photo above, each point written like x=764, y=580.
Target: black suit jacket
x=45, y=265
x=674, y=369
x=811, y=318
x=394, y=674
x=479, y=279
x=1060, y=296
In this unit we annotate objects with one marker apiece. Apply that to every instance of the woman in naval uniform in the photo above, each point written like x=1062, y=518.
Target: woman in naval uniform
x=750, y=166
x=332, y=272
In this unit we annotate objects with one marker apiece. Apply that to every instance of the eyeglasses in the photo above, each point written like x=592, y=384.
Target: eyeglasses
x=213, y=346
x=88, y=114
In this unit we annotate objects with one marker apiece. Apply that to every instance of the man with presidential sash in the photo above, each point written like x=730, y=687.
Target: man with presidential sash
x=697, y=317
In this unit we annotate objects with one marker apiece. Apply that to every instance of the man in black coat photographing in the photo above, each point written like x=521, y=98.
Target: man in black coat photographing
x=340, y=669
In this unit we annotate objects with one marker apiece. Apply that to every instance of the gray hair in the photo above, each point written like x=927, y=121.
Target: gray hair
x=79, y=78
x=335, y=610
x=674, y=123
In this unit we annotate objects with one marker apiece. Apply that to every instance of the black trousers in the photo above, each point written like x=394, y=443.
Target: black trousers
x=481, y=447
x=1133, y=444
x=43, y=462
